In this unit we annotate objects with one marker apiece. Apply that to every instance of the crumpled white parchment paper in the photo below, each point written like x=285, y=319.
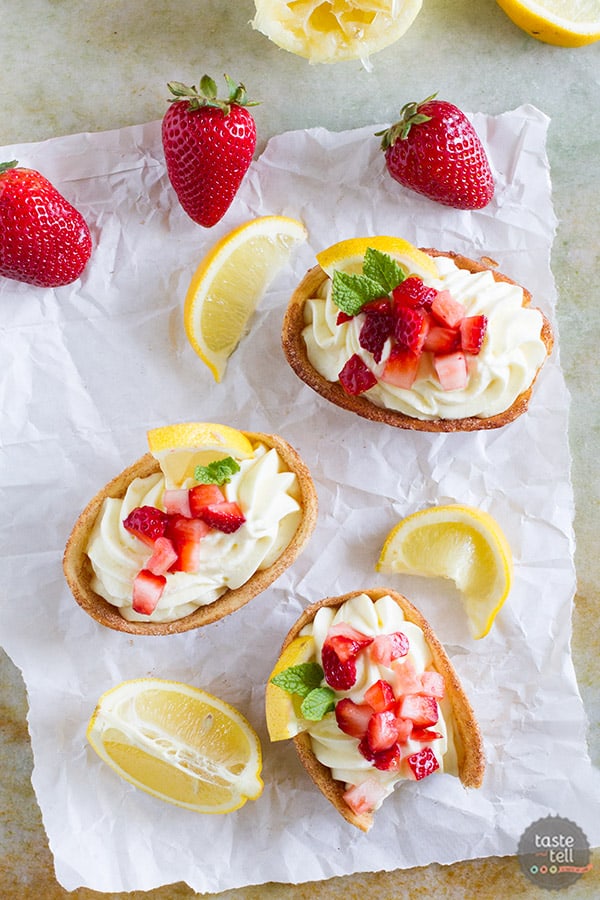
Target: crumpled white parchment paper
x=84, y=372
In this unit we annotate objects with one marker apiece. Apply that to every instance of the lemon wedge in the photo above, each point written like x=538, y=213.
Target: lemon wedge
x=564, y=23
x=458, y=542
x=179, y=744
x=282, y=710
x=329, y=31
x=348, y=255
x=231, y=280
x=180, y=448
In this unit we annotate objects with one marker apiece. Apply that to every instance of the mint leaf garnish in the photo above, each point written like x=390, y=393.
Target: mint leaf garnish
x=217, y=472
x=350, y=291
x=300, y=679
x=318, y=703
x=380, y=267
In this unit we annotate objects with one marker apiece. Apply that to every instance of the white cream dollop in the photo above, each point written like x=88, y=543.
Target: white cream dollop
x=268, y=495
x=339, y=751
x=507, y=364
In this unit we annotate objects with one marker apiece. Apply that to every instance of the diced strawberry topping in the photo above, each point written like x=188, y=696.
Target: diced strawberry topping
x=472, y=333
x=382, y=731
x=412, y=292
x=404, y=728
x=424, y=735
x=410, y=329
x=342, y=645
x=147, y=523
x=385, y=760
x=365, y=797
x=387, y=647
x=177, y=502
x=406, y=680
x=186, y=535
x=347, y=641
x=147, y=591
x=423, y=763
x=451, y=370
x=423, y=711
x=203, y=495
x=447, y=310
x=442, y=340
x=432, y=683
x=376, y=329
x=163, y=556
x=380, y=696
x=226, y=517
x=343, y=317
x=339, y=675
x=356, y=377
x=401, y=368
x=352, y=718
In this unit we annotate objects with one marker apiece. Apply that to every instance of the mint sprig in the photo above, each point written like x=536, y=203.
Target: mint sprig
x=217, y=472
x=305, y=681
x=380, y=275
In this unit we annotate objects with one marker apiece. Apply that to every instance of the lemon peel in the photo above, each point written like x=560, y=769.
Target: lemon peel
x=181, y=447
x=348, y=255
x=563, y=23
x=282, y=710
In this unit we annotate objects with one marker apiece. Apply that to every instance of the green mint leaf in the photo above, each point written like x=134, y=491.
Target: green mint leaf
x=301, y=679
x=217, y=472
x=350, y=292
x=380, y=267
x=318, y=703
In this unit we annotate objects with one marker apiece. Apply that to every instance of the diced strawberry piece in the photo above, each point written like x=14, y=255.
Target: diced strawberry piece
x=186, y=535
x=404, y=728
x=343, y=317
x=347, y=641
x=387, y=647
x=422, y=710
x=147, y=591
x=401, y=368
x=410, y=329
x=432, y=684
x=442, y=340
x=423, y=735
x=365, y=797
x=352, y=718
x=379, y=305
x=177, y=502
x=382, y=731
x=226, y=517
x=147, y=523
x=375, y=331
x=163, y=556
x=423, y=763
x=203, y=495
x=406, y=680
x=451, y=370
x=447, y=310
x=342, y=645
x=472, y=333
x=340, y=675
x=413, y=292
x=356, y=377
x=385, y=760
x=380, y=696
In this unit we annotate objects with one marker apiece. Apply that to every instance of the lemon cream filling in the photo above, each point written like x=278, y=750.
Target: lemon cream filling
x=268, y=495
x=339, y=751
x=506, y=366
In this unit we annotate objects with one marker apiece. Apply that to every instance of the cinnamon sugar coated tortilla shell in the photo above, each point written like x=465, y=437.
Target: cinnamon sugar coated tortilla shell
x=78, y=570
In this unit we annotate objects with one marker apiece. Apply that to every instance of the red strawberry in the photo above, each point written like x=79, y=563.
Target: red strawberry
x=472, y=333
x=423, y=763
x=163, y=556
x=147, y=591
x=352, y=718
x=381, y=731
x=434, y=150
x=442, y=340
x=380, y=696
x=338, y=655
x=386, y=760
x=226, y=517
x=203, y=495
x=366, y=796
x=186, y=535
x=422, y=710
x=401, y=368
x=410, y=329
x=44, y=240
x=177, y=501
x=376, y=329
x=447, y=310
x=147, y=523
x=340, y=675
x=406, y=680
x=413, y=292
x=423, y=735
x=388, y=647
x=356, y=377
x=209, y=145
x=347, y=641
x=432, y=683
x=451, y=370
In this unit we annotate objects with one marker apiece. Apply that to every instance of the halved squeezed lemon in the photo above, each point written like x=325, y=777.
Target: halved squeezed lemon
x=564, y=23
x=329, y=31
x=462, y=543
x=231, y=280
x=282, y=710
x=348, y=255
x=179, y=744
x=180, y=448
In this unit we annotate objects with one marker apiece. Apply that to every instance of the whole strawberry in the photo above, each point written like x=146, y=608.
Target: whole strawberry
x=43, y=239
x=209, y=145
x=435, y=151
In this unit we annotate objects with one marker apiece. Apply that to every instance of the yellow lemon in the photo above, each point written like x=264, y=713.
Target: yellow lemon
x=230, y=281
x=180, y=448
x=328, y=31
x=564, y=23
x=458, y=542
x=282, y=710
x=179, y=744
x=348, y=255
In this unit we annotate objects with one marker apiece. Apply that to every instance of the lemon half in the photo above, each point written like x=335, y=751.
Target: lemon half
x=348, y=255
x=180, y=448
x=461, y=543
x=329, y=31
x=564, y=23
x=179, y=744
x=282, y=710
x=231, y=280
